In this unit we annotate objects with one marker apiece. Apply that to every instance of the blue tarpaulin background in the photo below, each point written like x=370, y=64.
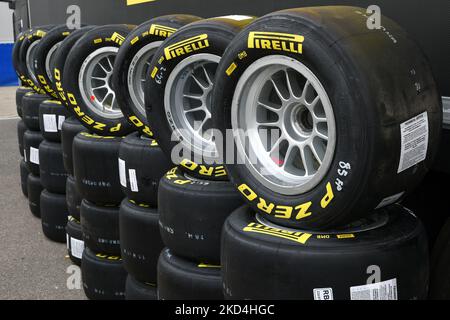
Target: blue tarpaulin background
x=8, y=76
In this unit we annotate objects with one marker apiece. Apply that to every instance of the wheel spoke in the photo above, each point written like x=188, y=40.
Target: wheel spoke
x=193, y=96
x=201, y=108
x=316, y=155
x=99, y=78
x=103, y=68
x=100, y=87
x=320, y=135
x=270, y=108
x=277, y=90
x=110, y=64
x=199, y=83
x=208, y=78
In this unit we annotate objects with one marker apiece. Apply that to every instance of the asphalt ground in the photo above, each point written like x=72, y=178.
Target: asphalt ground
x=31, y=266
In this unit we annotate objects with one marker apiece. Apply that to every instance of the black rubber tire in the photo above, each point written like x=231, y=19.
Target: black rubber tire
x=135, y=290
x=21, y=128
x=100, y=226
x=16, y=52
x=180, y=279
x=138, y=179
x=103, y=276
x=52, y=115
x=55, y=36
x=219, y=32
x=30, y=109
x=368, y=113
x=264, y=261
x=110, y=36
x=140, y=241
x=96, y=168
x=36, y=34
x=34, y=190
x=51, y=167
x=20, y=92
x=69, y=129
x=155, y=30
x=440, y=267
x=24, y=177
x=73, y=198
x=75, y=243
x=54, y=216
x=60, y=60
x=31, y=142
x=192, y=213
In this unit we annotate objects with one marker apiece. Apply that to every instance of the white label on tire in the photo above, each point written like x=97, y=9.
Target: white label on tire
x=25, y=155
x=414, y=135
x=76, y=247
x=34, y=155
x=67, y=241
x=122, y=173
x=50, y=123
x=236, y=17
x=61, y=119
x=390, y=200
x=386, y=290
x=133, y=180
x=323, y=294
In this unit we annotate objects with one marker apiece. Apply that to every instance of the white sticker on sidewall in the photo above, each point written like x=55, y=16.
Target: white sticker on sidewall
x=236, y=17
x=385, y=290
x=68, y=241
x=34, y=155
x=76, y=247
x=323, y=294
x=122, y=173
x=133, y=180
x=50, y=123
x=61, y=120
x=414, y=138
x=390, y=200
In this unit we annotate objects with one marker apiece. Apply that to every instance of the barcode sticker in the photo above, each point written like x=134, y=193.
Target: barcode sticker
x=61, y=119
x=76, y=247
x=414, y=136
x=323, y=294
x=34, y=155
x=50, y=123
x=386, y=290
x=133, y=180
x=122, y=173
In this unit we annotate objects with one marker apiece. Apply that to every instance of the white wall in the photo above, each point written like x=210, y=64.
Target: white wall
x=6, y=23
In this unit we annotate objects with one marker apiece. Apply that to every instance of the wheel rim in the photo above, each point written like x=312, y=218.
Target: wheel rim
x=287, y=130
x=29, y=60
x=94, y=81
x=187, y=102
x=50, y=59
x=137, y=74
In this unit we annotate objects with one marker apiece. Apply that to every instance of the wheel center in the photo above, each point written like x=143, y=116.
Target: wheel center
x=298, y=122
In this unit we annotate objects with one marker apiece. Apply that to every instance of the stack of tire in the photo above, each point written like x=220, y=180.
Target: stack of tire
x=91, y=154
x=357, y=121
x=142, y=163
x=194, y=198
x=28, y=100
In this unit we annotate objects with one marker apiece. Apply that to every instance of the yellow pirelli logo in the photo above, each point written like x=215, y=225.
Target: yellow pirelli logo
x=162, y=31
x=276, y=41
x=40, y=33
x=299, y=237
x=117, y=38
x=186, y=46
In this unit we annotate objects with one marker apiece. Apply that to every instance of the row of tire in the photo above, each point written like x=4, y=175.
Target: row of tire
x=302, y=214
